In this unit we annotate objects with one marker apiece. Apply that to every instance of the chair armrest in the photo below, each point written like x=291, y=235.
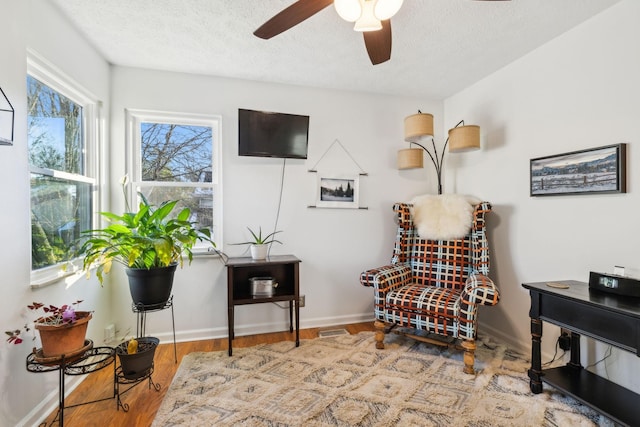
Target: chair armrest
x=480, y=289
x=386, y=278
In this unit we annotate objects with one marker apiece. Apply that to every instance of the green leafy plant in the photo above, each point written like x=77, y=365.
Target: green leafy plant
x=149, y=238
x=53, y=316
x=259, y=240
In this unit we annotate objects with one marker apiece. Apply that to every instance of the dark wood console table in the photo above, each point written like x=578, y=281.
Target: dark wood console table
x=283, y=268
x=605, y=317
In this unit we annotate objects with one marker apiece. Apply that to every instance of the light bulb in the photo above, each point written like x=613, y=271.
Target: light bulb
x=367, y=14
x=349, y=10
x=385, y=9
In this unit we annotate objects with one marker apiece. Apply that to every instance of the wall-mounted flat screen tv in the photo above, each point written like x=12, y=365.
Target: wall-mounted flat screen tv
x=268, y=134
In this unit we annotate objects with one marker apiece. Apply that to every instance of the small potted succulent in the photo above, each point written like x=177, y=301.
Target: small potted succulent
x=62, y=330
x=259, y=246
x=150, y=243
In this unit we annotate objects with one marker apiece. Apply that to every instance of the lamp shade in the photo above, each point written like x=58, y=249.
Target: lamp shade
x=410, y=158
x=464, y=138
x=418, y=126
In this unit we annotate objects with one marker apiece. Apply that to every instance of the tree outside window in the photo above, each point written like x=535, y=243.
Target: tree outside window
x=177, y=160
x=60, y=190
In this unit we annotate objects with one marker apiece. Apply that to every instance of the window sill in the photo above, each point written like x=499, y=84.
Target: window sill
x=53, y=275
x=209, y=252
x=56, y=274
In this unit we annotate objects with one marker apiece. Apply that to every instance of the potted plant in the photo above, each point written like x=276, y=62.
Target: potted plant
x=62, y=331
x=259, y=246
x=150, y=243
x=136, y=356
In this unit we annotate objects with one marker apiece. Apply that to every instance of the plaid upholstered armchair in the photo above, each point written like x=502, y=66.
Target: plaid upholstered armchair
x=432, y=288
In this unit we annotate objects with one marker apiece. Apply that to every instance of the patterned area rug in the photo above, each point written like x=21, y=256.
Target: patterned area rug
x=344, y=381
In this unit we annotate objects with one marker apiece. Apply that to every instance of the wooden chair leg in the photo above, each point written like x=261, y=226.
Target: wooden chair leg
x=379, y=334
x=469, y=347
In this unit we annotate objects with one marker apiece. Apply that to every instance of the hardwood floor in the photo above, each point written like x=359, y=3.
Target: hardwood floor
x=144, y=402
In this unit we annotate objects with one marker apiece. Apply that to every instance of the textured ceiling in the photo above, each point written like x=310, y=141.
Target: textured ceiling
x=439, y=46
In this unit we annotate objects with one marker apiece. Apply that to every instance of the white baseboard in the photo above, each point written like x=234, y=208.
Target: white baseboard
x=260, y=328
x=49, y=404
x=509, y=340
x=521, y=346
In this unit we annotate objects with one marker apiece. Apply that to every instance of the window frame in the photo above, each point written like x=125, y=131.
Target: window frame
x=92, y=135
x=134, y=118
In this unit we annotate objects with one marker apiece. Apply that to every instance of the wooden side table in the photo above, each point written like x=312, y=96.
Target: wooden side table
x=283, y=268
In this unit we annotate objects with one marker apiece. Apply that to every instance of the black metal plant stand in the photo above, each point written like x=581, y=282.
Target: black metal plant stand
x=91, y=360
x=120, y=379
x=141, y=311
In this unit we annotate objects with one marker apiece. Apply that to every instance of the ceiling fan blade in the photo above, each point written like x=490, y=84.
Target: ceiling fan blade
x=378, y=43
x=290, y=17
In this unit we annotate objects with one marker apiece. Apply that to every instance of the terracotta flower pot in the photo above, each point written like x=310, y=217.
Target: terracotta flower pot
x=67, y=339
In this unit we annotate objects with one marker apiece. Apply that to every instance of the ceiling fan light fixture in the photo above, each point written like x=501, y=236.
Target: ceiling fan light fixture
x=364, y=12
x=385, y=9
x=349, y=10
x=368, y=20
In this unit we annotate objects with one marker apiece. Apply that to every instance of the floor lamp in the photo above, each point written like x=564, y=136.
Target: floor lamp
x=418, y=129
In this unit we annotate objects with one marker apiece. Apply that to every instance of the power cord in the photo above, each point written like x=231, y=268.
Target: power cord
x=608, y=354
x=224, y=257
x=275, y=226
x=280, y=306
x=555, y=354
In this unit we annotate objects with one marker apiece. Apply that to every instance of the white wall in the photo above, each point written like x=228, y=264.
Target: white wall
x=579, y=91
x=24, y=396
x=335, y=245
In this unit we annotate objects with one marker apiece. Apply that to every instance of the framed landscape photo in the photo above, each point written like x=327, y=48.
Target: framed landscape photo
x=337, y=191
x=596, y=170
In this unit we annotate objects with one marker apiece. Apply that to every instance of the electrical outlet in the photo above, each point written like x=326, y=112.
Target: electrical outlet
x=109, y=333
x=301, y=301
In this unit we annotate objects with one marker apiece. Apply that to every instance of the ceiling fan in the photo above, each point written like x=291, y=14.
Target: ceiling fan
x=371, y=17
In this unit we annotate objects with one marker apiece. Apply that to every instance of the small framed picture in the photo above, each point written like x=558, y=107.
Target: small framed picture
x=596, y=170
x=337, y=191
x=7, y=119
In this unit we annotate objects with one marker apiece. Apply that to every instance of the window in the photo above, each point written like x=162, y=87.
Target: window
x=177, y=157
x=62, y=171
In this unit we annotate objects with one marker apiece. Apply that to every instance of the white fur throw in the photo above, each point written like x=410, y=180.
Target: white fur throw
x=443, y=217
